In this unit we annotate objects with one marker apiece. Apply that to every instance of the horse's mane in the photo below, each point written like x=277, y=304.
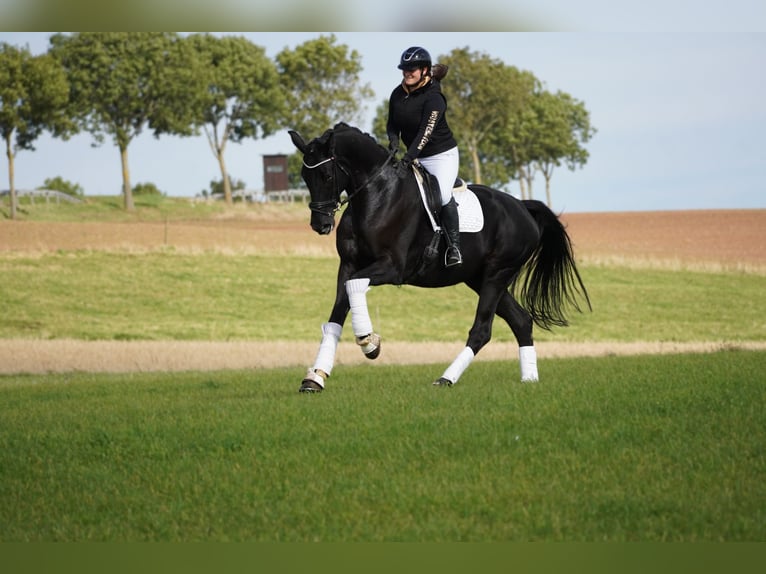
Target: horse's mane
x=342, y=127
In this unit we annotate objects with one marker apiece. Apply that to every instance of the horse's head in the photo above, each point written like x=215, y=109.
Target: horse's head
x=325, y=179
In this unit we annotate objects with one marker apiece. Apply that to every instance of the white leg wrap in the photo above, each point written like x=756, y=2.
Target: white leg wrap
x=459, y=365
x=325, y=358
x=528, y=364
x=357, y=298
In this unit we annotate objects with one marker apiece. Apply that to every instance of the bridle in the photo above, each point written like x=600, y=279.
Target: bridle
x=330, y=206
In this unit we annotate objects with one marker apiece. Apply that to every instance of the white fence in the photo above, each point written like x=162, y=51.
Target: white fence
x=48, y=194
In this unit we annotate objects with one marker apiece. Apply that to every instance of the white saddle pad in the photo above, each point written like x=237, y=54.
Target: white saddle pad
x=469, y=211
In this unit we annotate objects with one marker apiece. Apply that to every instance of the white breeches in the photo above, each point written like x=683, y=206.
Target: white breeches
x=444, y=166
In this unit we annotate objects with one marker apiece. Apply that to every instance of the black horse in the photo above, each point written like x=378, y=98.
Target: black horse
x=387, y=237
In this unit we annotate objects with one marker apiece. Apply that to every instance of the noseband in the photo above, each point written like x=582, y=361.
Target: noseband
x=331, y=206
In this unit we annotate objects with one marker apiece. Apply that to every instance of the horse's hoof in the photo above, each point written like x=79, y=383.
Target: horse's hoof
x=372, y=355
x=442, y=382
x=313, y=382
x=370, y=345
x=309, y=386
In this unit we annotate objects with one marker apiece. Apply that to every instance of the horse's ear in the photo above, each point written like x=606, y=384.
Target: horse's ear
x=297, y=140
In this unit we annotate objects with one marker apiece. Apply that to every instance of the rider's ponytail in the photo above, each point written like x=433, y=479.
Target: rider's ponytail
x=438, y=71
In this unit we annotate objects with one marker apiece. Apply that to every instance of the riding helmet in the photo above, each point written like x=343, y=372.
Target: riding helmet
x=414, y=57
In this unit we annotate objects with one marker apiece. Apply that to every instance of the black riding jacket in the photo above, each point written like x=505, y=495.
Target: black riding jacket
x=419, y=118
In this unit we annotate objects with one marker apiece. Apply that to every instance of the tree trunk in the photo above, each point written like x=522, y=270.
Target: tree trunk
x=529, y=175
x=530, y=193
x=11, y=188
x=225, y=179
x=523, y=182
x=476, y=164
x=218, y=149
x=127, y=192
x=548, y=191
x=520, y=172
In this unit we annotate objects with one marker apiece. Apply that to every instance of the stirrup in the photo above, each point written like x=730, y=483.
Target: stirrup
x=452, y=257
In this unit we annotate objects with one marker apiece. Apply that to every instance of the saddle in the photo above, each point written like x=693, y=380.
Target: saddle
x=430, y=188
x=470, y=215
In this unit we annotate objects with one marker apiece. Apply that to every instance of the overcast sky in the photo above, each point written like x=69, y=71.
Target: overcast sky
x=680, y=117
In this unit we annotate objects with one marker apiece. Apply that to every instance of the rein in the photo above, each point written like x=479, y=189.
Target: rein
x=322, y=207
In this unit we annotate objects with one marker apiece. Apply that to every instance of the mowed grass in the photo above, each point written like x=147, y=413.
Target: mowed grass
x=209, y=296
x=602, y=449
x=111, y=208
x=617, y=448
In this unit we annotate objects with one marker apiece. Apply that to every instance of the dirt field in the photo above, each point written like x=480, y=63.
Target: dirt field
x=718, y=239
x=734, y=239
x=711, y=240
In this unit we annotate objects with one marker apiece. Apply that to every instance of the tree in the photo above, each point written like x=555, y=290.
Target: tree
x=513, y=147
x=506, y=124
x=217, y=187
x=235, y=94
x=322, y=85
x=58, y=183
x=379, y=122
x=33, y=93
x=563, y=126
x=484, y=95
x=147, y=189
x=123, y=82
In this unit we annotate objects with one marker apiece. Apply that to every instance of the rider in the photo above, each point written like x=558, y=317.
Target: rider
x=417, y=112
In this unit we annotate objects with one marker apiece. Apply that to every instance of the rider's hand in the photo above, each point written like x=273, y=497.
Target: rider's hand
x=403, y=167
x=393, y=146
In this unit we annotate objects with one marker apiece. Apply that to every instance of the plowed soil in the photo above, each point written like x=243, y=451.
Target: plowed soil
x=708, y=240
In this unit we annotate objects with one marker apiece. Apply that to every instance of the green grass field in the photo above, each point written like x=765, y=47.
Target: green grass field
x=645, y=448
x=158, y=296
x=110, y=208
x=666, y=448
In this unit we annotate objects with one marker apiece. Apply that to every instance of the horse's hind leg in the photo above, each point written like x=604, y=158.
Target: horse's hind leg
x=481, y=331
x=520, y=322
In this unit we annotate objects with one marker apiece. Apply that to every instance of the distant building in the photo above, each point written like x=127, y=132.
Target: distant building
x=275, y=181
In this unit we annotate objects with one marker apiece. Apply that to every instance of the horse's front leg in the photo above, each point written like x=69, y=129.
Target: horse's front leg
x=382, y=272
x=350, y=295
x=317, y=375
x=366, y=338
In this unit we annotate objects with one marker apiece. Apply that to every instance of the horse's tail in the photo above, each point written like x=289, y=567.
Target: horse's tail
x=551, y=279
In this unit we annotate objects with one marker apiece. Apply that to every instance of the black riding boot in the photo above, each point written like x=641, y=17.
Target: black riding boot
x=451, y=226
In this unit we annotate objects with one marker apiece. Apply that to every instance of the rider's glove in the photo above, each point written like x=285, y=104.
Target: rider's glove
x=403, y=167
